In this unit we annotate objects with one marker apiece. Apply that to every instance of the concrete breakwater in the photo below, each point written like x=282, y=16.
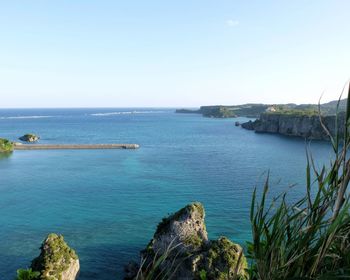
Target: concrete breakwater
x=20, y=146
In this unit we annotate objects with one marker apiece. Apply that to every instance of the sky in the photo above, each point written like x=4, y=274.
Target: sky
x=182, y=53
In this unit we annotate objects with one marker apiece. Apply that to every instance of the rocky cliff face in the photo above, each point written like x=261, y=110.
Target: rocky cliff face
x=57, y=261
x=180, y=249
x=304, y=126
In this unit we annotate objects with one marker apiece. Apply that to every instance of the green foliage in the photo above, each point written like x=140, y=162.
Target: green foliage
x=6, y=146
x=203, y=275
x=27, y=274
x=217, y=112
x=308, y=239
x=193, y=240
x=225, y=261
x=310, y=111
x=29, y=135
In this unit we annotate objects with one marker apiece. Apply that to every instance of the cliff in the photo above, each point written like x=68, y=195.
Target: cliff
x=180, y=249
x=305, y=126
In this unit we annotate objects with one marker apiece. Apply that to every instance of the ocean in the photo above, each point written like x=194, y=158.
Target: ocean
x=107, y=203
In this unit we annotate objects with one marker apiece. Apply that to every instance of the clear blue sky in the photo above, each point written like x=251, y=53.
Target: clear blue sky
x=171, y=53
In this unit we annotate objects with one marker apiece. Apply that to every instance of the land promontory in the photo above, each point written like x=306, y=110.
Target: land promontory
x=305, y=120
x=254, y=110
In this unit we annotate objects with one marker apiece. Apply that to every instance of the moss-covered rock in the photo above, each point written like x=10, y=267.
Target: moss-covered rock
x=57, y=261
x=222, y=260
x=180, y=249
x=185, y=229
x=29, y=138
x=6, y=146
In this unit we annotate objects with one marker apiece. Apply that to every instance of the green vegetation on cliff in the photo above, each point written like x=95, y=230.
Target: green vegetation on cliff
x=307, y=111
x=224, y=260
x=255, y=110
x=27, y=274
x=6, y=146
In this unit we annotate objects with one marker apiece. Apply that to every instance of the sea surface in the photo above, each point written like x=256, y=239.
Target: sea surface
x=107, y=203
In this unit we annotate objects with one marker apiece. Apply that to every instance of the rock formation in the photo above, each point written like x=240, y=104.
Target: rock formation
x=29, y=138
x=57, y=261
x=304, y=126
x=180, y=249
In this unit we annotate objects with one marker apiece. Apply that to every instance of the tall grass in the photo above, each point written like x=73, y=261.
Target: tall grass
x=310, y=238
x=163, y=266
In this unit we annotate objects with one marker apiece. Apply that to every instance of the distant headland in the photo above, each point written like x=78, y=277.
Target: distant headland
x=287, y=119
x=254, y=110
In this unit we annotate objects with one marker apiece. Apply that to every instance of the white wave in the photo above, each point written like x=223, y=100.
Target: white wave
x=126, y=113
x=25, y=117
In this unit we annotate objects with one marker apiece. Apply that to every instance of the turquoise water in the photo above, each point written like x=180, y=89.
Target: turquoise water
x=107, y=203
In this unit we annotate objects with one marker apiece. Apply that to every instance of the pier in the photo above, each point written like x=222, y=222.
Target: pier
x=19, y=146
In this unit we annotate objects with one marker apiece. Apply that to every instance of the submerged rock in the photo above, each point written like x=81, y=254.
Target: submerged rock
x=57, y=261
x=180, y=249
x=29, y=138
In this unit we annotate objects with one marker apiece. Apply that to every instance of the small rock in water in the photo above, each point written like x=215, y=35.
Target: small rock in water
x=29, y=138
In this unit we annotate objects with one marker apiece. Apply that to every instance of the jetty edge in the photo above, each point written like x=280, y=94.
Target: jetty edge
x=20, y=146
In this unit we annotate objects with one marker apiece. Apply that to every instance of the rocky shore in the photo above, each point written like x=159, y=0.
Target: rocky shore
x=305, y=126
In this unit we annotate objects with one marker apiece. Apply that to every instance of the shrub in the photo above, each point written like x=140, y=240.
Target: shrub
x=5, y=146
x=27, y=274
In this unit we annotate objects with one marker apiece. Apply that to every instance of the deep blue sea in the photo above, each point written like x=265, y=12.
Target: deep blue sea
x=107, y=203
